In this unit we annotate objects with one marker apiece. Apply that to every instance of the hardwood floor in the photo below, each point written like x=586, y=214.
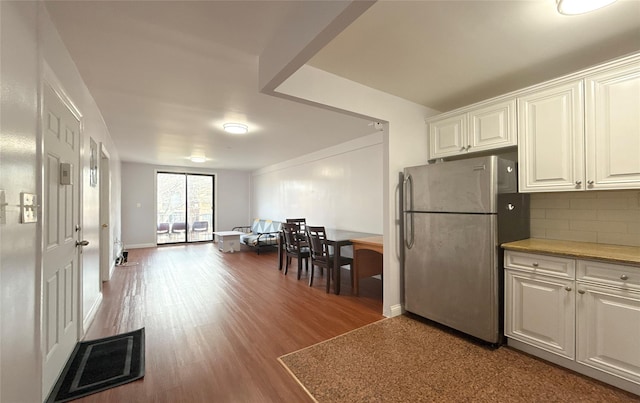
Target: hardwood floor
x=216, y=323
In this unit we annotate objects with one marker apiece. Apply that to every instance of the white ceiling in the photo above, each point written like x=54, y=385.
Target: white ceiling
x=167, y=74
x=447, y=54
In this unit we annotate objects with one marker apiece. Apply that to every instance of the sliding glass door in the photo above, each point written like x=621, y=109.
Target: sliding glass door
x=184, y=207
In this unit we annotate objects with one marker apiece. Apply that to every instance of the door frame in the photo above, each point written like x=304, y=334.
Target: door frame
x=106, y=246
x=214, y=212
x=49, y=78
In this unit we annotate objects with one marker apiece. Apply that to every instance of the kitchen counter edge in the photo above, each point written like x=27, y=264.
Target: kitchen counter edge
x=583, y=250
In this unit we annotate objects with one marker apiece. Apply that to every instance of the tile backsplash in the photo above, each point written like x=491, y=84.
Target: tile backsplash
x=608, y=217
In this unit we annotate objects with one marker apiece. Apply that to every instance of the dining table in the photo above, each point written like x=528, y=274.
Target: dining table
x=367, y=260
x=337, y=239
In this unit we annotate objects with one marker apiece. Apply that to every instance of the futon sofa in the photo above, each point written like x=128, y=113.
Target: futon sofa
x=260, y=234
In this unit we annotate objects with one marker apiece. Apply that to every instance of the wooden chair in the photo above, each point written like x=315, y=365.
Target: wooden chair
x=302, y=225
x=321, y=256
x=294, y=248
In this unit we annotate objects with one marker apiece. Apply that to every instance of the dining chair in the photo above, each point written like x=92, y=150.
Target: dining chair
x=294, y=248
x=321, y=255
x=302, y=225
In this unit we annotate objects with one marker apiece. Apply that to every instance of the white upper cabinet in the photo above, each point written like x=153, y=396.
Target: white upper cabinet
x=575, y=133
x=484, y=126
x=583, y=133
x=492, y=125
x=448, y=136
x=550, y=138
x=613, y=128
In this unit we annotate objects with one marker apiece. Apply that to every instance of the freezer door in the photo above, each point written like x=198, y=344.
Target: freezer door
x=451, y=272
x=467, y=185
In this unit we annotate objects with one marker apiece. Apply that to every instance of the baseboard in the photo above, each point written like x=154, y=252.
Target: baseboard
x=91, y=314
x=394, y=310
x=576, y=366
x=111, y=270
x=141, y=245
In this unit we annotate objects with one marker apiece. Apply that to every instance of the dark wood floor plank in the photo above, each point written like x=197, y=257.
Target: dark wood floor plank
x=216, y=323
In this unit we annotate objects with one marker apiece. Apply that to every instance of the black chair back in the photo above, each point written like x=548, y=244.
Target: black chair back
x=302, y=225
x=291, y=238
x=316, y=237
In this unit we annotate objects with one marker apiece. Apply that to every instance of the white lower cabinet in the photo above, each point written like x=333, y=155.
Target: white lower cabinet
x=608, y=323
x=540, y=311
x=588, y=318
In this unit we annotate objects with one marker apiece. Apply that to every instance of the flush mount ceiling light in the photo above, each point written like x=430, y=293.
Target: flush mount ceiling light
x=573, y=7
x=235, y=128
x=197, y=159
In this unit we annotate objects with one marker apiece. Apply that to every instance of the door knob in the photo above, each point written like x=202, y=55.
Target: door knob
x=82, y=243
x=105, y=225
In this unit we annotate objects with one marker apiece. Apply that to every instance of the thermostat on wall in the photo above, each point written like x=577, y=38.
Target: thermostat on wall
x=65, y=173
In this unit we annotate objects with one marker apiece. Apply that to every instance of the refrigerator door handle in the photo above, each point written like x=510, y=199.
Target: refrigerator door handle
x=408, y=217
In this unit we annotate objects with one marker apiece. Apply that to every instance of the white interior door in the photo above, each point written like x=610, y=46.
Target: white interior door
x=60, y=231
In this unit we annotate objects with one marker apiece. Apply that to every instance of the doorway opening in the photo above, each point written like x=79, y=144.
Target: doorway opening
x=185, y=206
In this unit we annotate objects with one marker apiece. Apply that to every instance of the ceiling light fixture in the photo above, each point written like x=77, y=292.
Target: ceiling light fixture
x=573, y=7
x=198, y=159
x=235, y=128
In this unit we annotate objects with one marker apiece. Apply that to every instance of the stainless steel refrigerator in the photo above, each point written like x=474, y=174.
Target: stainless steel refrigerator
x=456, y=215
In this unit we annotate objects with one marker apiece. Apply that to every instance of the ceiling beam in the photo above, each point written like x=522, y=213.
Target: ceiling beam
x=306, y=31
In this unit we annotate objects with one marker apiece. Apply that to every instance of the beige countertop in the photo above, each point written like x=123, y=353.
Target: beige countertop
x=584, y=250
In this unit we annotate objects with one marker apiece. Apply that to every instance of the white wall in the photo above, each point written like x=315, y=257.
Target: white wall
x=405, y=144
x=338, y=187
x=232, y=200
x=28, y=42
x=19, y=72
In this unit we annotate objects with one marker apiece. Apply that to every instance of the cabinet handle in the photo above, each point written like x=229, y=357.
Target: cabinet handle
x=463, y=148
x=578, y=183
x=567, y=288
x=534, y=264
x=590, y=183
x=580, y=291
x=624, y=277
x=468, y=147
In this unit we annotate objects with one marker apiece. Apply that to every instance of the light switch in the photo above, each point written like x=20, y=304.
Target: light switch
x=28, y=206
x=3, y=207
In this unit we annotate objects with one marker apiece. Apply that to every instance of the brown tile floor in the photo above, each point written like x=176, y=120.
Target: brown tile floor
x=406, y=360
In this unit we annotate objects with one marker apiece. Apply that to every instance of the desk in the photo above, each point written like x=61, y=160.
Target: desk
x=228, y=240
x=367, y=259
x=337, y=238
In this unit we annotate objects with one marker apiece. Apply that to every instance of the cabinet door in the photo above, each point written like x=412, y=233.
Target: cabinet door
x=448, y=136
x=551, y=139
x=539, y=311
x=613, y=128
x=492, y=126
x=608, y=323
